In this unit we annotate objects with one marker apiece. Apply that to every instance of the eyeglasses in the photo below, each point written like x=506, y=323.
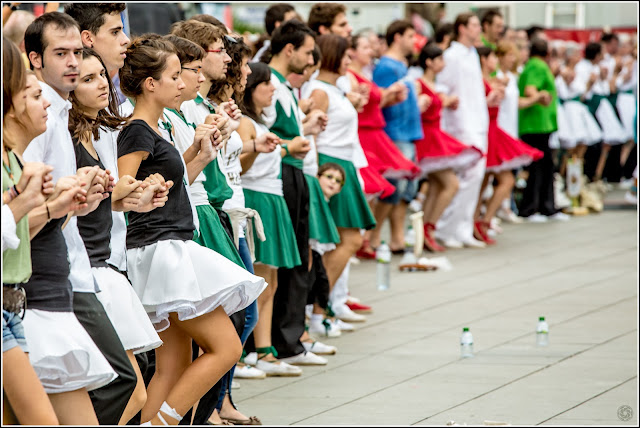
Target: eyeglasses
x=196, y=70
x=221, y=50
x=337, y=180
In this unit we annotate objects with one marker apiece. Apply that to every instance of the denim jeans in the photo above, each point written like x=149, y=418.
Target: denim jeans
x=405, y=189
x=12, y=332
x=251, y=319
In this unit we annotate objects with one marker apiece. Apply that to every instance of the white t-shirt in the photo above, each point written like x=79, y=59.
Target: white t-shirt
x=230, y=165
x=508, y=113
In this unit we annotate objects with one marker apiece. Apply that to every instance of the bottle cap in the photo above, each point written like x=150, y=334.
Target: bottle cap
x=465, y=329
x=541, y=319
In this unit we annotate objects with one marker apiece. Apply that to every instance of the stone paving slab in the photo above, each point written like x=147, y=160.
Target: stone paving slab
x=402, y=366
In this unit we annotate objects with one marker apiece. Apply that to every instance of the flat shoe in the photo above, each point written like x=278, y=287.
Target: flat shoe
x=224, y=422
x=252, y=420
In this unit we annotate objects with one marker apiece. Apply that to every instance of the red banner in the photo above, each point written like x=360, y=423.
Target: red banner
x=584, y=36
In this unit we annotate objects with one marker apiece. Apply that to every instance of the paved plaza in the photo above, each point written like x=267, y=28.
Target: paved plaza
x=403, y=366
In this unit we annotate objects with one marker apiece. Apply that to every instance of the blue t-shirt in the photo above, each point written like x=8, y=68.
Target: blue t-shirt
x=403, y=119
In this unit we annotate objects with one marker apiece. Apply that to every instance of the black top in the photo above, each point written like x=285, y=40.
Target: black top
x=175, y=219
x=95, y=227
x=49, y=288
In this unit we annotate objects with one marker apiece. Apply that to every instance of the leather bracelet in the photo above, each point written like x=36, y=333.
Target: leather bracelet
x=15, y=189
x=286, y=149
x=48, y=213
x=254, y=145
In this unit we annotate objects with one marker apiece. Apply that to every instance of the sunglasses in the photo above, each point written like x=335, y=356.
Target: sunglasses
x=337, y=180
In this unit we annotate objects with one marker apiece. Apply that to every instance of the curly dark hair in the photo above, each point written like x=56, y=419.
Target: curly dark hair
x=237, y=50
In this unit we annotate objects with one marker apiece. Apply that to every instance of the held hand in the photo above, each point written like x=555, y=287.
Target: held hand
x=231, y=108
x=306, y=105
x=316, y=122
x=87, y=175
x=31, y=170
x=208, y=151
x=454, y=102
x=68, y=195
x=32, y=193
x=424, y=101
x=125, y=187
x=266, y=143
x=299, y=147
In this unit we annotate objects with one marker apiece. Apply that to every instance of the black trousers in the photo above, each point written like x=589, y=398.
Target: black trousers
x=538, y=195
x=287, y=323
x=109, y=401
x=319, y=281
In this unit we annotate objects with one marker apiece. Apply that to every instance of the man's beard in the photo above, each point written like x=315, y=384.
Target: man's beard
x=294, y=69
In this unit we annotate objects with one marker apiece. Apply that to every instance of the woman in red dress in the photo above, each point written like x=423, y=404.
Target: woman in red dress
x=504, y=153
x=439, y=155
x=384, y=158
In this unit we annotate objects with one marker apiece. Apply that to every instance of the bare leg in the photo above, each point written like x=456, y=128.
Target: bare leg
x=485, y=183
x=448, y=186
x=187, y=383
x=139, y=396
x=602, y=162
x=430, y=201
x=336, y=260
x=29, y=401
x=74, y=408
x=398, y=215
x=506, y=181
x=625, y=152
x=262, y=331
x=369, y=233
x=381, y=213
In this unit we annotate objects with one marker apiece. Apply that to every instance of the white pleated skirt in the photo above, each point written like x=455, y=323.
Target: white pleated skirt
x=188, y=279
x=62, y=353
x=125, y=311
x=626, y=104
x=583, y=128
x=612, y=131
x=566, y=138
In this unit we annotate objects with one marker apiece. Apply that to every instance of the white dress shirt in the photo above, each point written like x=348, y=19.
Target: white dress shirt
x=10, y=239
x=462, y=76
x=55, y=148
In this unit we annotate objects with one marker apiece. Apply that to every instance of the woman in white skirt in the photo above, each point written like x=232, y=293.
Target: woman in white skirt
x=182, y=285
x=95, y=92
x=66, y=361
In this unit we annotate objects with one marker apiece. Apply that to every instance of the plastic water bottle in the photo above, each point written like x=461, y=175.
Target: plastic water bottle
x=542, y=332
x=409, y=240
x=466, y=343
x=383, y=256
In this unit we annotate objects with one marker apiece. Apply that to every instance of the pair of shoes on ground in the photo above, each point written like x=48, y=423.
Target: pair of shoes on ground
x=539, y=218
x=455, y=244
x=329, y=328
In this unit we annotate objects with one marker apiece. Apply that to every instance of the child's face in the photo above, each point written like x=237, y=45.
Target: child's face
x=331, y=182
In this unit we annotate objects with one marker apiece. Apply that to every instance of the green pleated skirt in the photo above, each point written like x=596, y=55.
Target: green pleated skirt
x=322, y=228
x=213, y=236
x=349, y=207
x=280, y=248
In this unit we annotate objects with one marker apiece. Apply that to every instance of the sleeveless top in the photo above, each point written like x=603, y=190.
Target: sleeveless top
x=371, y=116
x=432, y=114
x=264, y=174
x=95, y=227
x=493, y=111
x=340, y=137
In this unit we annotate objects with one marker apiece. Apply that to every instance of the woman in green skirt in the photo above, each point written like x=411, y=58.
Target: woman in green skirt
x=262, y=187
x=338, y=143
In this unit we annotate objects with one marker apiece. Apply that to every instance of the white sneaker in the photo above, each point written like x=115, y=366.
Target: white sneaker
x=324, y=328
x=319, y=348
x=347, y=315
x=630, y=197
x=305, y=359
x=343, y=326
x=235, y=385
x=521, y=183
x=452, y=243
x=560, y=216
x=248, y=372
x=474, y=243
x=537, y=218
x=251, y=359
x=278, y=368
x=415, y=206
x=561, y=199
x=626, y=184
x=495, y=226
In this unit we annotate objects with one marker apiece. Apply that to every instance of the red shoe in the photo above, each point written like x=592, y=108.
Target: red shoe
x=480, y=232
x=363, y=253
x=429, y=242
x=359, y=307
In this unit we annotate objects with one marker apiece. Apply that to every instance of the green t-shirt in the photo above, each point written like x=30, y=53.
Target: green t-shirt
x=487, y=43
x=286, y=125
x=16, y=264
x=538, y=119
